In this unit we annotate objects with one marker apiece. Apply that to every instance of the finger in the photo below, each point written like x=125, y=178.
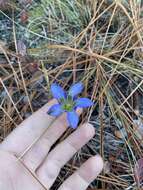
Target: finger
x=62, y=153
x=85, y=175
x=28, y=130
x=35, y=156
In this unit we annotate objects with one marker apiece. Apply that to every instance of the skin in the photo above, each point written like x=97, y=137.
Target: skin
x=36, y=168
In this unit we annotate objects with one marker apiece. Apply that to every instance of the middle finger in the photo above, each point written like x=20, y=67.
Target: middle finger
x=35, y=156
x=62, y=153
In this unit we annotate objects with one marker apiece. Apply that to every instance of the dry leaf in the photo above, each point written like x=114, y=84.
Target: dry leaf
x=2, y=46
x=120, y=134
x=32, y=67
x=138, y=128
x=138, y=172
x=21, y=48
x=24, y=16
x=4, y=4
x=37, y=78
x=25, y=2
x=107, y=167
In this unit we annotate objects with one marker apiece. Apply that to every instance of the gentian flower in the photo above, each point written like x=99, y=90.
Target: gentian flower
x=68, y=102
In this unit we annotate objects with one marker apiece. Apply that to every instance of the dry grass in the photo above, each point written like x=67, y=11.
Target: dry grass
x=105, y=53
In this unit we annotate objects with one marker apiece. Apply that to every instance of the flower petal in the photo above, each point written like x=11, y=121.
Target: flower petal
x=73, y=119
x=55, y=110
x=76, y=89
x=57, y=91
x=83, y=103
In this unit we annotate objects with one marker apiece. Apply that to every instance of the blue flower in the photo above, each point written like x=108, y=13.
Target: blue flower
x=68, y=102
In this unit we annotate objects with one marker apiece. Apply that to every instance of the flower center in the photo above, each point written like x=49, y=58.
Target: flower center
x=67, y=107
x=67, y=104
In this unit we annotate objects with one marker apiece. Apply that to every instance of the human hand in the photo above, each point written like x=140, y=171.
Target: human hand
x=26, y=163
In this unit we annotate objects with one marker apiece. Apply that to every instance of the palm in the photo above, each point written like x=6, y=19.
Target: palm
x=26, y=163
x=14, y=176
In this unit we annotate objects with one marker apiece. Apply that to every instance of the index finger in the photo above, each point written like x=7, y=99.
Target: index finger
x=29, y=130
